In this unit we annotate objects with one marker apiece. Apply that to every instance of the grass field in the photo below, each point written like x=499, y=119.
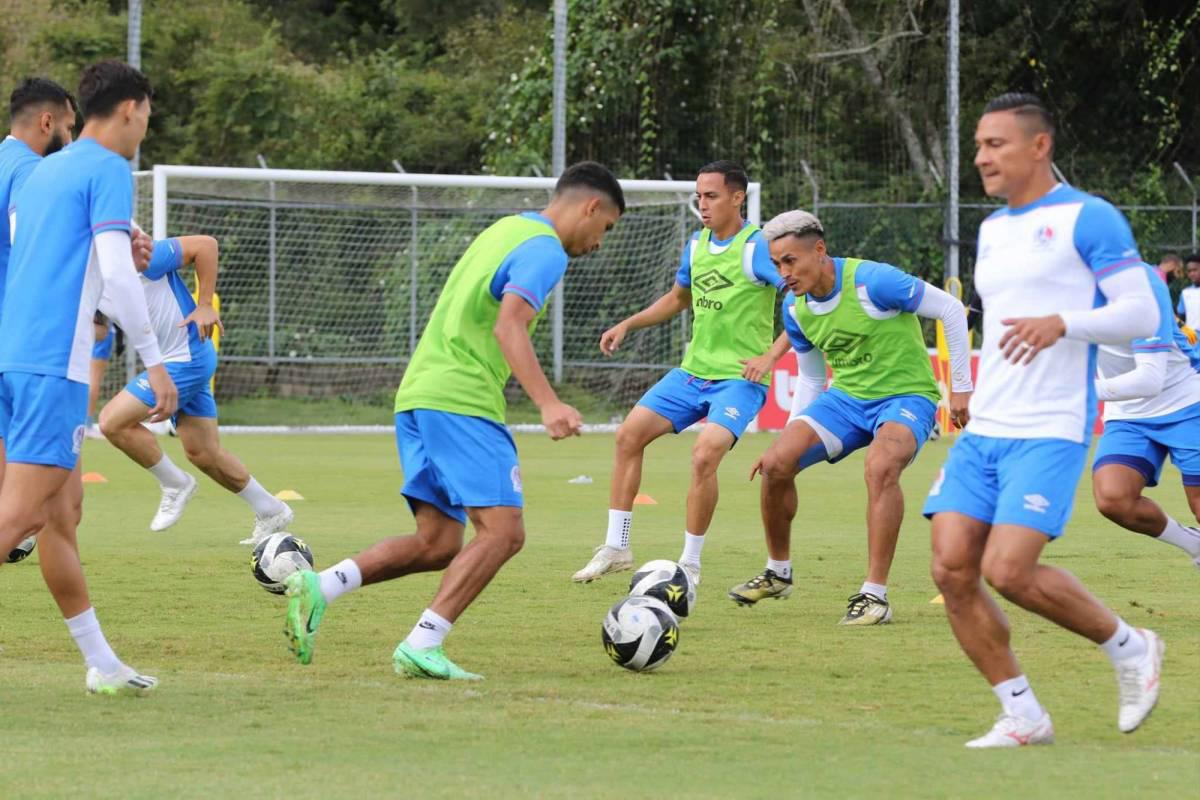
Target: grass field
x=767, y=702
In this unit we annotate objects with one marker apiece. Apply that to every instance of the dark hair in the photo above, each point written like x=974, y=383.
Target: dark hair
x=735, y=176
x=1028, y=107
x=593, y=176
x=1171, y=256
x=106, y=84
x=1191, y=258
x=33, y=92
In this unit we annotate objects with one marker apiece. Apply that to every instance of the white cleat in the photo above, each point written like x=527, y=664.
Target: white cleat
x=693, y=571
x=125, y=680
x=265, y=526
x=170, y=508
x=1012, y=731
x=1138, y=680
x=606, y=559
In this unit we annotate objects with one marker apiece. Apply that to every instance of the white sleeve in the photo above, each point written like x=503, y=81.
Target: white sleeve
x=1144, y=380
x=1131, y=312
x=810, y=381
x=936, y=304
x=123, y=294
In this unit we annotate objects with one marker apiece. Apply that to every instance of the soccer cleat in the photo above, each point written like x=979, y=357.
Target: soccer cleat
x=1138, y=681
x=765, y=585
x=867, y=609
x=125, y=680
x=170, y=508
x=431, y=662
x=265, y=526
x=606, y=559
x=306, y=607
x=693, y=571
x=1013, y=731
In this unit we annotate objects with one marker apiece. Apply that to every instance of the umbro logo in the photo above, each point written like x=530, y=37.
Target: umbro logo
x=732, y=412
x=841, y=340
x=904, y=412
x=711, y=281
x=1036, y=503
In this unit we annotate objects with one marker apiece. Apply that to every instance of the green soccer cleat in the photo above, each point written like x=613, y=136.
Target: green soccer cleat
x=430, y=662
x=867, y=609
x=761, y=587
x=306, y=607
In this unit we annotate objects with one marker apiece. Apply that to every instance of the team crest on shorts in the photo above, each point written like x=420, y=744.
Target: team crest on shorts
x=516, y=479
x=77, y=439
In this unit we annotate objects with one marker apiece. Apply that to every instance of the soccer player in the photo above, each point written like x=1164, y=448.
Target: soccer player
x=106, y=338
x=71, y=222
x=457, y=456
x=1058, y=271
x=862, y=317
x=1152, y=394
x=1189, y=298
x=184, y=328
x=727, y=279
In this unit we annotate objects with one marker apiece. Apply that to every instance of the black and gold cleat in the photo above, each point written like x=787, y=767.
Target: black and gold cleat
x=765, y=585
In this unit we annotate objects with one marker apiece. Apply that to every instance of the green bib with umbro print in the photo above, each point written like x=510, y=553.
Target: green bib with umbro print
x=871, y=356
x=733, y=314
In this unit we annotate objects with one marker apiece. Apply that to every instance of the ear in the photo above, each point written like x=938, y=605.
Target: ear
x=46, y=122
x=1042, y=144
x=592, y=206
x=819, y=247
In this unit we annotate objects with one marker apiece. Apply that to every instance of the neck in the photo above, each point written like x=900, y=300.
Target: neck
x=729, y=230
x=106, y=135
x=824, y=285
x=1038, y=186
x=553, y=213
x=28, y=138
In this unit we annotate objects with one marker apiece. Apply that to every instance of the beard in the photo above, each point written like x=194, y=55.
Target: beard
x=55, y=144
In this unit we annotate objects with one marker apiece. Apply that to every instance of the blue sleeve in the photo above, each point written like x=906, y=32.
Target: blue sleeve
x=531, y=271
x=1104, y=240
x=110, y=207
x=167, y=256
x=890, y=289
x=684, y=276
x=764, y=268
x=800, y=342
x=20, y=173
x=1164, y=337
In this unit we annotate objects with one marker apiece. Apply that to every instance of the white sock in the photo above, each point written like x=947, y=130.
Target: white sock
x=877, y=589
x=619, y=523
x=169, y=476
x=85, y=630
x=1182, y=536
x=1017, y=698
x=692, y=545
x=430, y=631
x=263, y=502
x=1125, y=643
x=342, y=577
x=781, y=568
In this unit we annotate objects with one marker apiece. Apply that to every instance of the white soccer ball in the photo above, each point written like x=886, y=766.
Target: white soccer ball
x=668, y=582
x=640, y=633
x=22, y=550
x=278, y=556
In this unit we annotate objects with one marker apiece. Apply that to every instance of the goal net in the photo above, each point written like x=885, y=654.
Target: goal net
x=328, y=278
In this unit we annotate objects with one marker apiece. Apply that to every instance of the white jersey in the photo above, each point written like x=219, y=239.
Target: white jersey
x=1044, y=258
x=168, y=303
x=1189, y=306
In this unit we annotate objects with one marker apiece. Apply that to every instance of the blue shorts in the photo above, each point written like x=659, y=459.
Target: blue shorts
x=103, y=349
x=192, y=378
x=685, y=399
x=1027, y=482
x=455, y=462
x=1143, y=445
x=846, y=424
x=42, y=419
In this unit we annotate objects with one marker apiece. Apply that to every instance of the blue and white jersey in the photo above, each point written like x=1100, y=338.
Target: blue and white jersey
x=882, y=290
x=16, y=162
x=1181, y=386
x=756, y=259
x=1044, y=258
x=1189, y=307
x=54, y=284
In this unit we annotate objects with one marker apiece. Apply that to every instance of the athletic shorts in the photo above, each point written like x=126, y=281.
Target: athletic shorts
x=455, y=462
x=1143, y=445
x=845, y=424
x=42, y=419
x=103, y=349
x=1028, y=482
x=193, y=380
x=685, y=399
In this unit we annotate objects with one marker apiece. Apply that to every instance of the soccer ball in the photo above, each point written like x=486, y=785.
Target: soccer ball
x=668, y=582
x=278, y=556
x=22, y=550
x=640, y=633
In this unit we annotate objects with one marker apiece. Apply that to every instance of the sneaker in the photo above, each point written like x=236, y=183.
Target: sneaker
x=606, y=559
x=306, y=607
x=170, y=508
x=867, y=609
x=761, y=587
x=265, y=526
x=1138, y=682
x=693, y=571
x=125, y=680
x=430, y=662
x=1012, y=731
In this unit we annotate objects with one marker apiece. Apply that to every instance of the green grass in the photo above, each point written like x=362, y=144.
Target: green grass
x=773, y=702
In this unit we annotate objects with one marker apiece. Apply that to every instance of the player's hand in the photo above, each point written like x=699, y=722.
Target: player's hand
x=166, y=396
x=610, y=340
x=561, y=420
x=206, y=318
x=757, y=468
x=753, y=369
x=959, y=415
x=143, y=246
x=1028, y=336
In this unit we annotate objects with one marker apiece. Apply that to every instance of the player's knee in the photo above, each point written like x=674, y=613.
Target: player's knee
x=882, y=471
x=706, y=458
x=1114, y=504
x=775, y=468
x=110, y=427
x=953, y=576
x=440, y=552
x=1009, y=578
x=203, y=458
x=629, y=439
